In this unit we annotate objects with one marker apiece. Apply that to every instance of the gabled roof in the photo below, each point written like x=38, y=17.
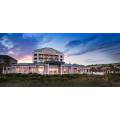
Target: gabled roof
x=7, y=57
x=47, y=49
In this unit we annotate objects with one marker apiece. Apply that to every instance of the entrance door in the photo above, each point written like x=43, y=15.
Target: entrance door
x=41, y=69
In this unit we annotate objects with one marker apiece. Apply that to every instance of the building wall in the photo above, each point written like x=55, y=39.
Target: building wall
x=54, y=69
x=44, y=56
x=25, y=69
x=39, y=69
x=38, y=57
x=6, y=61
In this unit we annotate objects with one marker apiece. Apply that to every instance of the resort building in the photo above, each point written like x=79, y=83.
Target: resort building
x=50, y=61
x=45, y=61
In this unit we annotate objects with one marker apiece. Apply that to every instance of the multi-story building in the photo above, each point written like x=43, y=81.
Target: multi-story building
x=46, y=55
x=51, y=61
x=45, y=61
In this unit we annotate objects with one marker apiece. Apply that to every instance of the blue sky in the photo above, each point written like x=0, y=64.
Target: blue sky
x=81, y=48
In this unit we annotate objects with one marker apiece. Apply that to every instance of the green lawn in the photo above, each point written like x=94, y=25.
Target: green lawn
x=34, y=80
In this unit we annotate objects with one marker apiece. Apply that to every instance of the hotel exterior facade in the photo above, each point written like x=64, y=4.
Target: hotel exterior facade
x=48, y=61
x=47, y=55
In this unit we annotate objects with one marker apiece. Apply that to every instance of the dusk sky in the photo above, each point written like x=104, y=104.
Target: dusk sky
x=78, y=48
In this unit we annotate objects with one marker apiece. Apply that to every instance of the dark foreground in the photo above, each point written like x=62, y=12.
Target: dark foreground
x=34, y=80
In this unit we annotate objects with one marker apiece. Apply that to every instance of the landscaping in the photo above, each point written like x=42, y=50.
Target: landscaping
x=73, y=80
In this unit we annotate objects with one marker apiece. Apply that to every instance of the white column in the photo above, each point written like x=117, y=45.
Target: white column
x=48, y=69
x=71, y=70
x=61, y=69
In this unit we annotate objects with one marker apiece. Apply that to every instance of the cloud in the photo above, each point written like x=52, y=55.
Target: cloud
x=92, y=60
x=105, y=46
x=19, y=44
x=25, y=59
x=108, y=44
x=80, y=41
x=7, y=43
x=11, y=53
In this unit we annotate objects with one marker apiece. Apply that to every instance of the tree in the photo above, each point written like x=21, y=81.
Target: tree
x=4, y=64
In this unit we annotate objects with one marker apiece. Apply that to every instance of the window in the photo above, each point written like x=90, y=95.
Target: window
x=61, y=60
x=35, y=54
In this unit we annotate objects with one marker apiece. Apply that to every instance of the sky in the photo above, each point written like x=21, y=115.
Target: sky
x=79, y=48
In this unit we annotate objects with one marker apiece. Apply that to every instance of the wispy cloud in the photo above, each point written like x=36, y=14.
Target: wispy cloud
x=6, y=42
x=108, y=44
x=81, y=41
x=19, y=45
x=79, y=48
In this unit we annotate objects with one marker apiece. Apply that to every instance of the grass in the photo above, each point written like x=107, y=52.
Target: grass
x=73, y=80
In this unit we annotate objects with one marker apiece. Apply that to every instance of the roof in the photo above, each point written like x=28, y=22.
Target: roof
x=28, y=64
x=73, y=65
x=47, y=49
x=54, y=62
x=7, y=57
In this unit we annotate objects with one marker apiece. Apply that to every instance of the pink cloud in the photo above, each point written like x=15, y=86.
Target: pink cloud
x=25, y=59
